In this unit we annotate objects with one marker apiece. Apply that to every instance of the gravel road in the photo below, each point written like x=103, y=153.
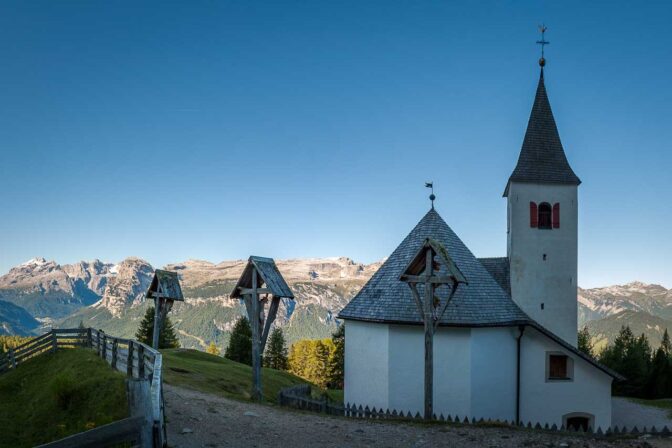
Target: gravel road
x=626, y=413
x=196, y=419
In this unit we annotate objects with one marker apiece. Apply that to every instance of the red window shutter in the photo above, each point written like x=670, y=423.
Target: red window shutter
x=556, y=215
x=534, y=217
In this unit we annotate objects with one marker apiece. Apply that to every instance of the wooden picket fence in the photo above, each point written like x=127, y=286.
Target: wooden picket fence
x=142, y=366
x=364, y=412
x=299, y=397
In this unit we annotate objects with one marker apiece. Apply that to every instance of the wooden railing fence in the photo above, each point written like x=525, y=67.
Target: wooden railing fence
x=142, y=366
x=300, y=397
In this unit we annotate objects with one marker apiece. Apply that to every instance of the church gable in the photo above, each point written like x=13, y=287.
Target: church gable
x=480, y=303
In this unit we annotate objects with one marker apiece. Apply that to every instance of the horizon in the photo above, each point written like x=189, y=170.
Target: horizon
x=333, y=258
x=215, y=131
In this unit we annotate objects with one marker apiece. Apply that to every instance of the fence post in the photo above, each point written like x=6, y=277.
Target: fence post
x=89, y=340
x=12, y=358
x=54, y=342
x=105, y=347
x=141, y=361
x=129, y=360
x=115, y=344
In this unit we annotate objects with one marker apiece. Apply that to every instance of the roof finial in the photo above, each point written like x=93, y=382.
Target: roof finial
x=431, y=196
x=542, y=42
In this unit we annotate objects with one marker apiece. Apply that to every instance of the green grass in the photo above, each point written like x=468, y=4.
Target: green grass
x=55, y=395
x=662, y=403
x=220, y=376
x=335, y=395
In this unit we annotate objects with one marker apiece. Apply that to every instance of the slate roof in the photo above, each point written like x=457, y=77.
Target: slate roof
x=268, y=275
x=499, y=270
x=480, y=303
x=542, y=158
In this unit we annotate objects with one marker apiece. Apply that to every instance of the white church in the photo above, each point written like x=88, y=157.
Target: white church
x=505, y=348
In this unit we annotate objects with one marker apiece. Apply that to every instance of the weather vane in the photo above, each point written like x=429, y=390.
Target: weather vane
x=431, y=196
x=543, y=42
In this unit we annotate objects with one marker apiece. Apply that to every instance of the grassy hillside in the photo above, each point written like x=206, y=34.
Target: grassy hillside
x=52, y=396
x=220, y=376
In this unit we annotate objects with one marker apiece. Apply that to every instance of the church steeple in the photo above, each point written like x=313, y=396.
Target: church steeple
x=542, y=159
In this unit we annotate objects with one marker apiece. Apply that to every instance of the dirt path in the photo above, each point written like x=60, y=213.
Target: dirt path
x=197, y=419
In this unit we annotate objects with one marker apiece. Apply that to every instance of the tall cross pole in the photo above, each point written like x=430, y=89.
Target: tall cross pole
x=543, y=42
x=425, y=269
x=159, y=305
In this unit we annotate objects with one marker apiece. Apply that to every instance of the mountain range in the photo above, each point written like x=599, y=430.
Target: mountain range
x=39, y=294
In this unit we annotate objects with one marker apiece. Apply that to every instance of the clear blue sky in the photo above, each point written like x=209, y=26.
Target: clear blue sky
x=219, y=129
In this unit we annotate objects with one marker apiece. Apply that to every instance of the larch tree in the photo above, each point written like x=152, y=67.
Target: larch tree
x=337, y=359
x=212, y=349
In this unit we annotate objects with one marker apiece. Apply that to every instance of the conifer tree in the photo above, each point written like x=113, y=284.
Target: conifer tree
x=666, y=345
x=240, y=344
x=275, y=355
x=660, y=377
x=212, y=349
x=337, y=359
x=145, y=333
x=585, y=344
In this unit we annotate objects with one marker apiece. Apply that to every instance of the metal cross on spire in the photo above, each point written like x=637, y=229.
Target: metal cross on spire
x=543, y=42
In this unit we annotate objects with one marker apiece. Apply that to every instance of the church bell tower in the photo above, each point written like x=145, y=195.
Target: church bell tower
x=542, y=215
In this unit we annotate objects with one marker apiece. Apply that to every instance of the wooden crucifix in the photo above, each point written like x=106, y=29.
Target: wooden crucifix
x=260, y=278
x=433, y=268
x=165, y=289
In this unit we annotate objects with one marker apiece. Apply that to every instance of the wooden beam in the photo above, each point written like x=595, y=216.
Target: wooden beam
x=436, y=279
x=416, y=296
x=429, y=336
x=256, y=339
x=445, y=305
x=272, y=311
x=251, y=290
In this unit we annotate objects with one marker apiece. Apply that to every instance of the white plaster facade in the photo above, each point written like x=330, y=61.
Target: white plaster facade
x=474, y=374
x=543, y=262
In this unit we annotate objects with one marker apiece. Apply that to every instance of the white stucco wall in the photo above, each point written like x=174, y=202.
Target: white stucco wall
x=366, y=364
x=474, y=374
x=546, y=402
x=452, y=370
x=493, y=367
x=534, y=280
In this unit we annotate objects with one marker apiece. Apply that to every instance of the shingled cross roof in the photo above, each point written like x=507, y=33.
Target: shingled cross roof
x=542, y=158
x=480, y=303
x=169, y=284
x=268, y=274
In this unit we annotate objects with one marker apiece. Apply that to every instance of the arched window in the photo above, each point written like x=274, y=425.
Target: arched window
x=545, y=213
x=580, y=421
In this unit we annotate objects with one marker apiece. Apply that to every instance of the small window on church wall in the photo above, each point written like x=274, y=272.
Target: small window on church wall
x=534, y=217
x=556, y=215
x=559, y=367
x=545, y=216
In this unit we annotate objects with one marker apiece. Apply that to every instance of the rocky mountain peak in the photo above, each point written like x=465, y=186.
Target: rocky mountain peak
x=128, y=286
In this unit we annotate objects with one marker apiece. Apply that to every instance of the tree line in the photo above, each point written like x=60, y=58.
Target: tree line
x=648, y=372
x=7, y=342
x=319, y=361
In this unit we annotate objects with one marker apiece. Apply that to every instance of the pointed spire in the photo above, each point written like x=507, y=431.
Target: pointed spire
x=542, y=158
